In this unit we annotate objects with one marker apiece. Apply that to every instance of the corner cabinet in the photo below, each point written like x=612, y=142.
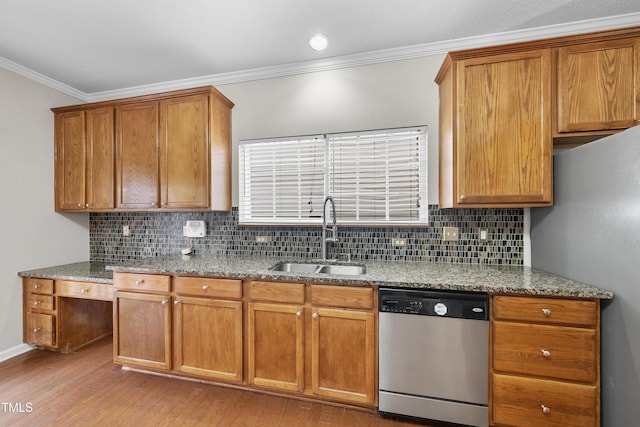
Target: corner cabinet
x=544, y=361
x=168, y=151
x=495, y=131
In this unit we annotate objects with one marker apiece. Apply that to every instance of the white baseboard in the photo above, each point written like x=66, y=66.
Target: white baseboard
x=14, y=351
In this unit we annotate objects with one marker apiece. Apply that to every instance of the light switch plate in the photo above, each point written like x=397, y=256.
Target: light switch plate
x=450, y=234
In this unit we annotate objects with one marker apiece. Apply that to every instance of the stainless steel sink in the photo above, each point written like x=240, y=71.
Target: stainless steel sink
x=300, y=267
x=343, y=269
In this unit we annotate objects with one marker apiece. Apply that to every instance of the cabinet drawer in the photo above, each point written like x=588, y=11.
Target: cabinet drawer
x=277, y=292
x=342, y=296
x=519, y=401
x=141, y=282
x=203, y=286
x=546, y=310
x=40, y=302
x=547, y=351
x=87, y=290
x=40, y=329
x=39, y=286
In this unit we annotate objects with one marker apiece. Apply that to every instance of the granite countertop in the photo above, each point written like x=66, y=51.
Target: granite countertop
x=88, y=271
x=398, y=274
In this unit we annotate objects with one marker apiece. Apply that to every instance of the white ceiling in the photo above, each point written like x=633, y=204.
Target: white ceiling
x=95, y=49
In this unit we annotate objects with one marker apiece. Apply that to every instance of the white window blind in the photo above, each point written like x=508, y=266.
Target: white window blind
x=282, y=180
x=379, y=176
x=375, y=177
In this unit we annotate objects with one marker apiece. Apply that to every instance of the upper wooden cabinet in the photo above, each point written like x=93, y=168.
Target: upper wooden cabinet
x=169, y=151
x=137, y=156
x=598, y=86
x=84, y=160
x=495, y=134
x=503, y=108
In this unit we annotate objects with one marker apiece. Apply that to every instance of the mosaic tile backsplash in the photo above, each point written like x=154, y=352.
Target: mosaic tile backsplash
x=160, y=233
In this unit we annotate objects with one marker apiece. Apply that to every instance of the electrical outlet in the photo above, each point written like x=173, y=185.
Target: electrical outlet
x=483, y=234
x=398, y=242
x=126, y=231
x=450, y=234
x=263, y=239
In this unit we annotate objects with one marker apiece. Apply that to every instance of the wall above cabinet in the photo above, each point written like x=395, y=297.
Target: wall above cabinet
x=168, y=151
x=504, y=108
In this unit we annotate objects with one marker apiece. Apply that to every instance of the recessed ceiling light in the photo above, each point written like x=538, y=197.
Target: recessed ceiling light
x=319, y=42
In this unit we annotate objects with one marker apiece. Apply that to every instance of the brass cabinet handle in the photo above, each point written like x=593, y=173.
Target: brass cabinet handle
x=37, y=286
x=176, y=302
x=139, y=282
x=84, y=291
x=205, y=287
x=165, y=300
x=36, y=330
x=37, y=302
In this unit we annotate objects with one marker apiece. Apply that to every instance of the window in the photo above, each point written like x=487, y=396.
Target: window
x=375, y=177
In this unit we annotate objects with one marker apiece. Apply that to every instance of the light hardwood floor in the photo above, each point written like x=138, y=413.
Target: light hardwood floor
x=43, y=388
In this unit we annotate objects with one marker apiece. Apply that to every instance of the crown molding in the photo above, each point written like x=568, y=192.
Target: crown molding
x=42, y=79
x=367, y=58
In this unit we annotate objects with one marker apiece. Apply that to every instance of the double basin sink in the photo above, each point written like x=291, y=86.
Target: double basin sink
x=300, y=267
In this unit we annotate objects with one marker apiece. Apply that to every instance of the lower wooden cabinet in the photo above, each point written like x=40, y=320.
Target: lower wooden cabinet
x=316, y=339
x=276, y=346
x=64, y=315
x=186, y=325
x=142, y=330
x=343, y=355
x=207, y=338
x=544, y=362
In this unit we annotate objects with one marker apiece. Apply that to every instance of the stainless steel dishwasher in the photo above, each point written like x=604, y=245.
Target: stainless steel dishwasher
x=433, y=355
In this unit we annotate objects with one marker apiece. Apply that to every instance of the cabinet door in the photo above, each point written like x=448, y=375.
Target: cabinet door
x=598, y=86
x=137, y=185
x=141, y=330
x=70, y=160
x=208, y=338
x=100, y=158
x=184, y=152
x=343, y=355
x=504, y=138
x=276, y=349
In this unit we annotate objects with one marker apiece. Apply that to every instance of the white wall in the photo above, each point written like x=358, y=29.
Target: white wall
x=33, y=235
x=385, y=95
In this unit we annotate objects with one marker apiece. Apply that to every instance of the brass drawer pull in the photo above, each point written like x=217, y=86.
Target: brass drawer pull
x=546, y=353
x=37, y=286
x=205, y=287
x=139, y=282
x=36, y=330
x=37, y=302
x=84, y=291
x=546, y=312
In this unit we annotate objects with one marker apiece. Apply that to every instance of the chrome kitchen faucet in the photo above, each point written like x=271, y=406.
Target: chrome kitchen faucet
x=333, y=229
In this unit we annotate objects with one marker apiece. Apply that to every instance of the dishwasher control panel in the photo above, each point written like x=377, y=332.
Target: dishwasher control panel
x=463, y=305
